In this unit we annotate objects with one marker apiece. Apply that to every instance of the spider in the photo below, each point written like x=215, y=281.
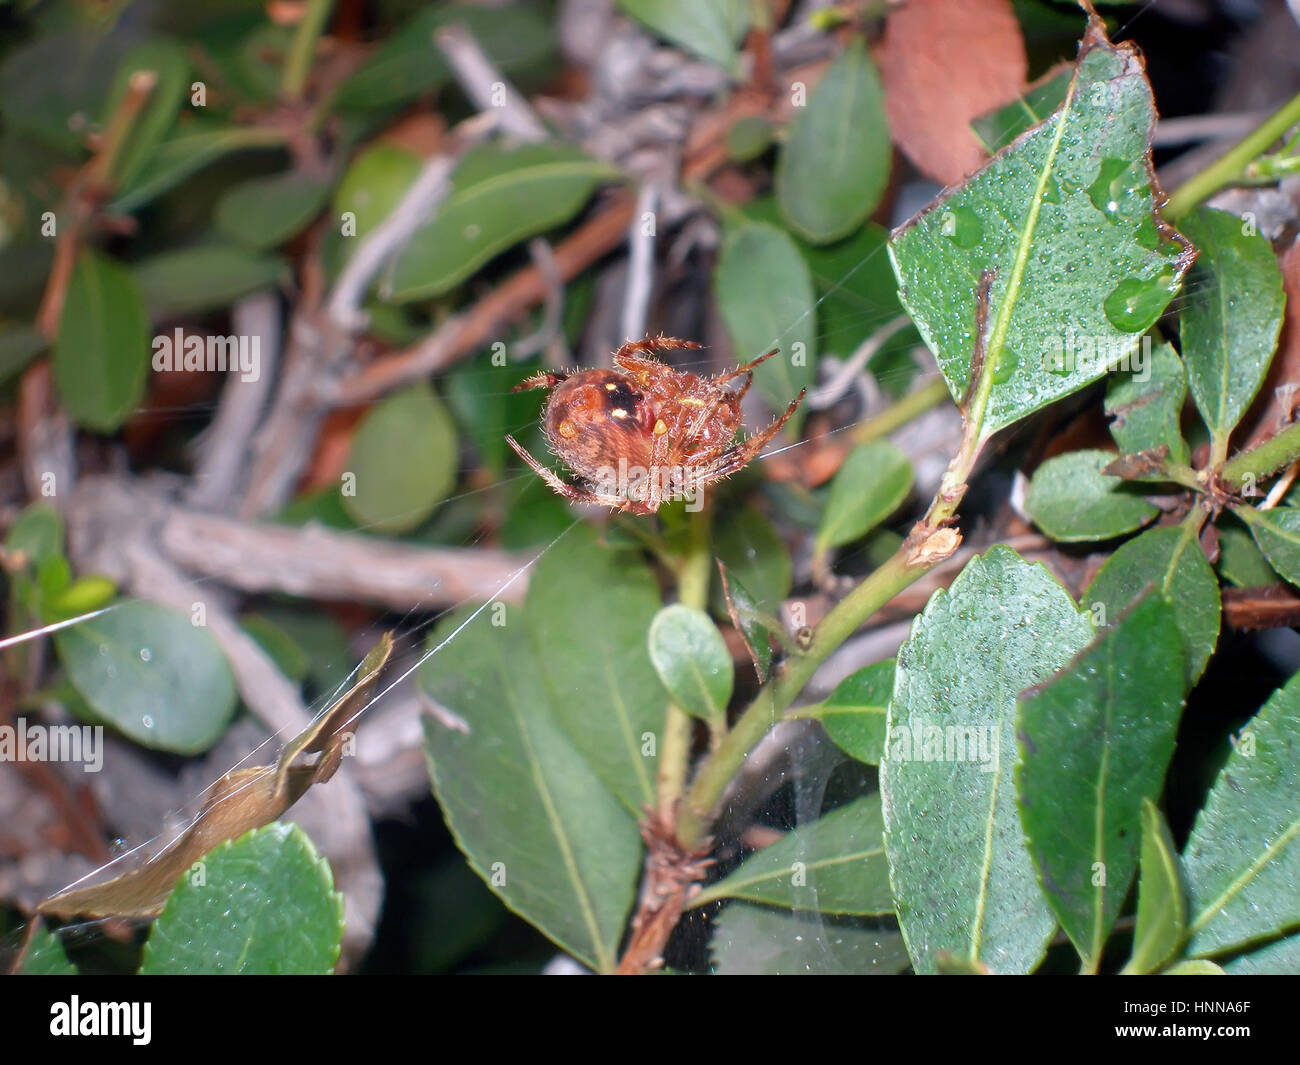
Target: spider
x=644, y=433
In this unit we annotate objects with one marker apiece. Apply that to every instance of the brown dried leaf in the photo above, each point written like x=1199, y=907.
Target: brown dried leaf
x=235, y=804
x=942, y=65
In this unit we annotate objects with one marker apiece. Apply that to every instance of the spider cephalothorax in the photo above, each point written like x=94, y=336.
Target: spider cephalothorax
x=644, y=433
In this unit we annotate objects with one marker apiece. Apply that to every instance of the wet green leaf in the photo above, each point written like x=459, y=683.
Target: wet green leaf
x=151, y=674
x=1070, y=499
x=751, y=940
x=265, y=905
x=964, y=882
x=1277, y=532
x=1229, y=332
x=1162, y=902
x=1095, y=741
x=746, y=616
x=45, y=955
x=528, y=811
x=1241, y=562
x=835, y=865
x=691, y=658
x=1242, y=860
x=1064, y=221
x=1146, y=412
x=606, y=694
x=854, y=715
x=1171, y=561
x=1279, y=958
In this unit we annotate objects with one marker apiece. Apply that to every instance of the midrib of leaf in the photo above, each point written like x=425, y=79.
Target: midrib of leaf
x=698, y=674
x=625, y=726
x=977, y=930
x=1099, y=820
x=1253, y=870
x=251, y=932
x=603, y=959
x=96, y=299
x=774, y=875
x=1176, y=556
x=1218, y=431
x=846, y=105
x=1275, y=529
x=1002, y=321
x=1168, y=864
x=524, y=175
x=879, y=711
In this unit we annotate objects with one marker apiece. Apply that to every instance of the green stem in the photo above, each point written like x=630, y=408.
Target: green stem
x=771, y=702
x=916, y=402
x=297, y=65
x=1272, y=455
x=693, y=577
x=1231, y=167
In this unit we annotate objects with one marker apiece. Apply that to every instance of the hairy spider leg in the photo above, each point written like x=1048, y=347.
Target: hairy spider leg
x=739, y=456
x=650, y=344
x=542, y=379
x=747, y=368
x=580, y=495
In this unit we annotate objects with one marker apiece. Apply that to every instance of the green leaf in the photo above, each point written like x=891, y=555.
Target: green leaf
x=749, y=621
x=754, y=554
x=1277, y=532
x=265, y=212
x=204, y=278
x=186, y=154
x=690, y=657
x=524, y=806
x=19, y=345
x=518, y=39
x=1194, y=967
x=1241, y=562
x=152, y=675
x=500, y=196
x=1000, y=127
x=835, y=162
x=264, y=905
x=37, y=532
x=1064, y=220
x=606, y=694
x=1279, y=958
x=1162, y=902
x=45, y=955
x=963, y=879
x=404, y=458
x=374, y=184
x=1095, y=741
x=706, y=28
x=79, y=597
x=857, y=294
x=835, y=865
x=166, y=59
x=1172, y=559
x=101, y=355
x=692, y=660
x=766, y=299
x=751, y=940
x=871, y=485
x=1242, y=860
x=1070, y=499
x=1229, y=332
x=854, y=716
x=1146, y=402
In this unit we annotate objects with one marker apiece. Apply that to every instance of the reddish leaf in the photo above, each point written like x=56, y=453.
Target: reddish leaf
x=944, y=64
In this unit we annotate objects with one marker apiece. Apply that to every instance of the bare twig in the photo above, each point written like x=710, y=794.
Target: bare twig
x=641, y=262
x=486, y=86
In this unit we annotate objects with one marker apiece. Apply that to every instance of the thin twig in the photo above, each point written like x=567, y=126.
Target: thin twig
x=641, y=262
x=486, y=86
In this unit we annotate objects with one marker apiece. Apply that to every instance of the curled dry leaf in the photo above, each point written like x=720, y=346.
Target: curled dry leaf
x=942, y=65
x=237, y=803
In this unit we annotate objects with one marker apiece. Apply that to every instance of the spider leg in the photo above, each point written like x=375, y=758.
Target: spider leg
x=573, y=492
x=544, y=379
x=631, y=356
x=747, y=368
x=742, y=454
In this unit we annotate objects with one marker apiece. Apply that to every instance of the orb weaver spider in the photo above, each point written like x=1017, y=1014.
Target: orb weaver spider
x=644, y=433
